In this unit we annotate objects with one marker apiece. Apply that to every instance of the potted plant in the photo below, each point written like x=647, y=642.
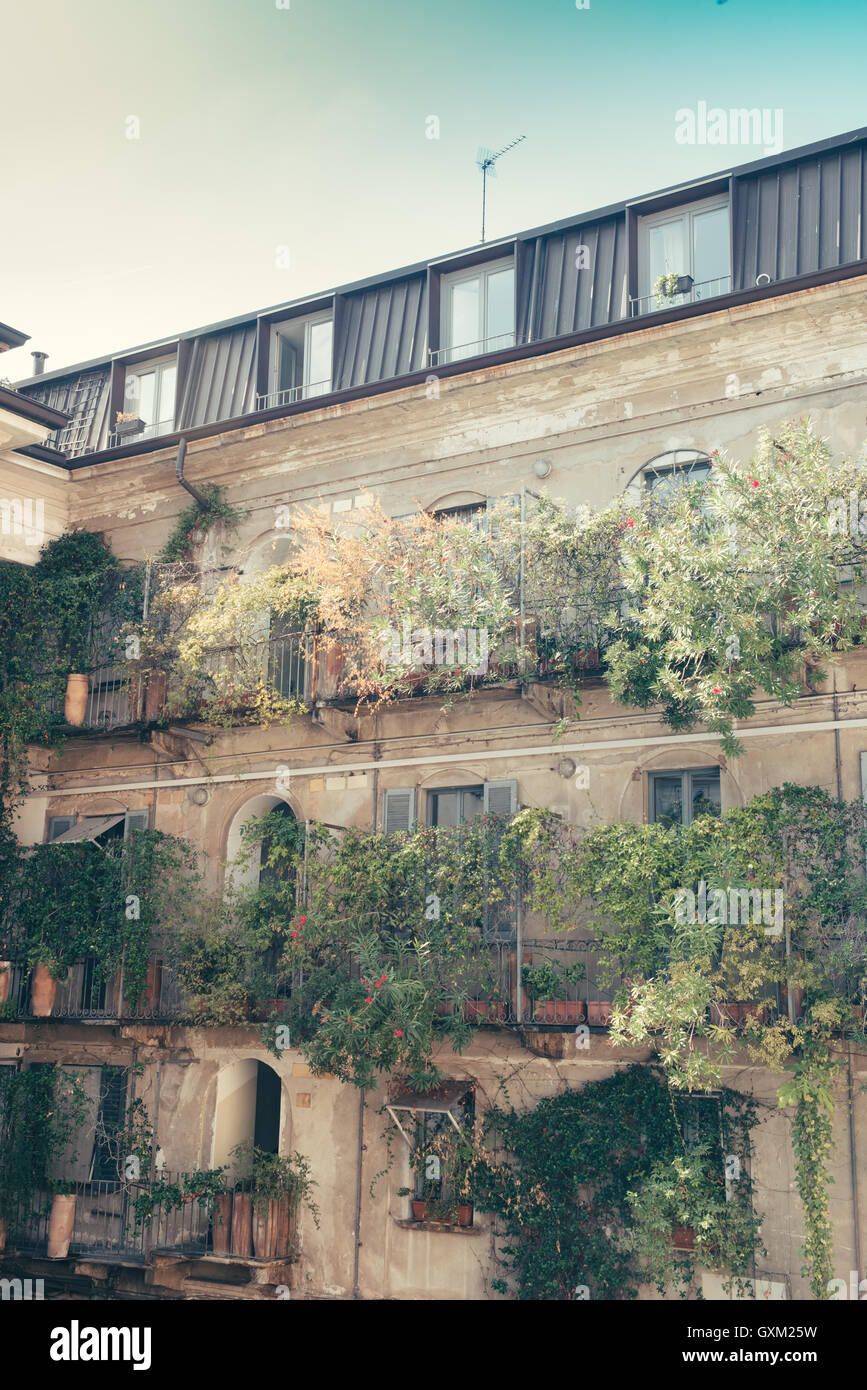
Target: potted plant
x=546, y=985
x=126, y=424
x=668, y=287
x=274, y=1185
x=61, y=1221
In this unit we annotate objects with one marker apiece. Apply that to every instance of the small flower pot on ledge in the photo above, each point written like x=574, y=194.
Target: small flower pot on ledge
x=419, y=1209
x=684, y=284
x=465, y=1214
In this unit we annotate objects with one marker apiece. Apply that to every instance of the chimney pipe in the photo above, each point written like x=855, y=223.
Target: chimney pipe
x=38, y=362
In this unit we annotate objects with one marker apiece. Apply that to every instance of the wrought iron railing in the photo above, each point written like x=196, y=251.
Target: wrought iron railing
x=502, y=995
x=88, y=994
x=105, y=1222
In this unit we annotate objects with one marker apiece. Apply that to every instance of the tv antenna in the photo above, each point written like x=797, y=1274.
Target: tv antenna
x=486, y=160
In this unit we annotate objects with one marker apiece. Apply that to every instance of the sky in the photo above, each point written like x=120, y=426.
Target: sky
x=170, y=163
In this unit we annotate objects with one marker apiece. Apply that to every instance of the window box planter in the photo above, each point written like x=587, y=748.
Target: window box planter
x=75, y=703
x=684, y=284
x=683, y=1238
x=484, y=1011
x=124, y=428
x=559, y=1011
x=60, y=1226
x=599, y=1013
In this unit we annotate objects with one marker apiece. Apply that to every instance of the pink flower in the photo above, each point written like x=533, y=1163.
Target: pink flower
x=302, y=919
x=717, y=690
x=755, y=482
x=295, y=933
x=398, y=1032
x=630, y=523
x=369, y=999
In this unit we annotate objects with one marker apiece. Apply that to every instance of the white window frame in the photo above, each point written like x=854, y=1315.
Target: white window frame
x=451, y=352
x=159, y=366
x=685, y=212
x=301, y=391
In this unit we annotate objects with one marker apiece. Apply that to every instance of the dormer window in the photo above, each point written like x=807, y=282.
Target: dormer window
x=684, y=255
x=478, y=311
x=149, y=395
x=300, y=360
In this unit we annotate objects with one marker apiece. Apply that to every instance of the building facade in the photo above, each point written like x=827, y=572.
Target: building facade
x=555, y=361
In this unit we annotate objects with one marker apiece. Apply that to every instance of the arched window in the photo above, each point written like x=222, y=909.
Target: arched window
x=248, y=1108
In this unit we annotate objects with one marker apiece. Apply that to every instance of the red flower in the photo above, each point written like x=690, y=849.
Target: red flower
x=717, y=690
x=754, y=482
x=302, y=919
x=368, y=1000
x=383, y=977
x=398, y=1032
x=378, y=985
x=630, y=523
x=295, y=933
x=620, y=525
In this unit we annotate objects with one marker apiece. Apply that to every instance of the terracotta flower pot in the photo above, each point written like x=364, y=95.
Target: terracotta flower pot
x=242, y=1225
x=75, y=704
x=43, y=992
x=559, y=1011
x=5, y=980
x=465, y=1214
x=221, y=1225
x=419, y=1209
x=60, y=1226
x=271, y=1230
x=484, y=1010
x=3, y=1233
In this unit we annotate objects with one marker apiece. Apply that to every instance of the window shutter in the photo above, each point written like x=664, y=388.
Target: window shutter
x=135, y=820
x=501, y=798
x=398, y=811
x=58, y=825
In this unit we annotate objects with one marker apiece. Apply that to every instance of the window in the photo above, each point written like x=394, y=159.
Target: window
x=68, y=829
x=430, y=1125
x=455, y=806
x=678, y=798
x=667, y=474
x=301, y=359
x=478, y=311
x=149, y=393
x=474, y=512
x=110, y=1124
x=692, y=243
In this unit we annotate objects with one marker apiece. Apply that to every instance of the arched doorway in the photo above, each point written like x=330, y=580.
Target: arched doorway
x=248, y=1108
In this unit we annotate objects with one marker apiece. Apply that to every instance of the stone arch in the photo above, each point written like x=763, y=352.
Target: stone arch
x=248, y=1107
x=247, y=876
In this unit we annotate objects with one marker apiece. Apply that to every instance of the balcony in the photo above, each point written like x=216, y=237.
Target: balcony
x=291, y=395
x=654, y=303
x=86, y=996
x=579, y=997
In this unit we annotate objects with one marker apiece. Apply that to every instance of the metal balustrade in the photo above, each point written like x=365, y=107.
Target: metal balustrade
x=105, y=1222
x=654, y=303
x=496, y=998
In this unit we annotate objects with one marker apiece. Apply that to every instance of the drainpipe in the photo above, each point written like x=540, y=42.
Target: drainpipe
x=179, y=474
x=358, y=1180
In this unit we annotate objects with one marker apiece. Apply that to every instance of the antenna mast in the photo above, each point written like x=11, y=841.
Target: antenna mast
x=486, y=161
